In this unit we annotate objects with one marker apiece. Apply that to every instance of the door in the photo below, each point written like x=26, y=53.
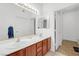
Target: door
x=58, y=29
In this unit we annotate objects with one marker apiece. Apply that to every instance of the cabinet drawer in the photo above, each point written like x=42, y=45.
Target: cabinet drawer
x=22, y=52
x=39, y=49
x=39, y=44
x=45, y=46
x=39, y=53
x=31, y=50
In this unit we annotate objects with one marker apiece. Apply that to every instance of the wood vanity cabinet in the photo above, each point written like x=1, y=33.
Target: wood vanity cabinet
x=45, y=46
x=39, y=49
x=31, y=50
x=28, y=51
x=21, y=52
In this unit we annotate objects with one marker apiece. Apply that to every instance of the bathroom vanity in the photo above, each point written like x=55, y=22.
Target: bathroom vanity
x=26, y=46
x=38, y=49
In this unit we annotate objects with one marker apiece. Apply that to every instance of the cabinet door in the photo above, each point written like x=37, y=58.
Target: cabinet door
x=22, y=52
x=31, y=50
x=49, y=43
x=39, y=49
x=45, y=46
x=18, y=53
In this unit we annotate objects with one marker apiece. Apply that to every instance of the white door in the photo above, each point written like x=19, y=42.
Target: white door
x=58, y=29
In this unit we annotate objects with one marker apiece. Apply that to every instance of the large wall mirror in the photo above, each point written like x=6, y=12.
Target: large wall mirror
x=21, y=20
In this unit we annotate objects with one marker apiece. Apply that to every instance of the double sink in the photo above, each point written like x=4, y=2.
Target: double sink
x=15, y=45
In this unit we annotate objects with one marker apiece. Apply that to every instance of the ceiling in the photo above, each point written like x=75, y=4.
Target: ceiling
x=71, y=8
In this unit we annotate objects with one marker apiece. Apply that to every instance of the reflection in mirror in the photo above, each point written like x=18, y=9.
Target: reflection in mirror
x=20, y=19
x=10, y=32
x=44, y=23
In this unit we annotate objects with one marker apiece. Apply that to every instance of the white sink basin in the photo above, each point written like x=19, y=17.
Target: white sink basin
x=15, y=45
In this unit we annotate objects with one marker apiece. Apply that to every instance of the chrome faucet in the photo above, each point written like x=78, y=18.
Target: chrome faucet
x=18, y=40
x=40, y=34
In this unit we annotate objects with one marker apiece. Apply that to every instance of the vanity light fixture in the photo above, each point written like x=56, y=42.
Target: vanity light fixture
x=28, y=7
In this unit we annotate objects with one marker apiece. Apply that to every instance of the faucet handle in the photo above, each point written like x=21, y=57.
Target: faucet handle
x=40, y=34
x=18, y=39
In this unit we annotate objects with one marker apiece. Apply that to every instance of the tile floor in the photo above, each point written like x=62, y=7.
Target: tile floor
x=65, y=50
x=50, y=53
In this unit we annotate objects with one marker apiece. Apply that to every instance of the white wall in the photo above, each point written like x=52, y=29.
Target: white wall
x=48, y=8
x=11, y=15
x=71, y=25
